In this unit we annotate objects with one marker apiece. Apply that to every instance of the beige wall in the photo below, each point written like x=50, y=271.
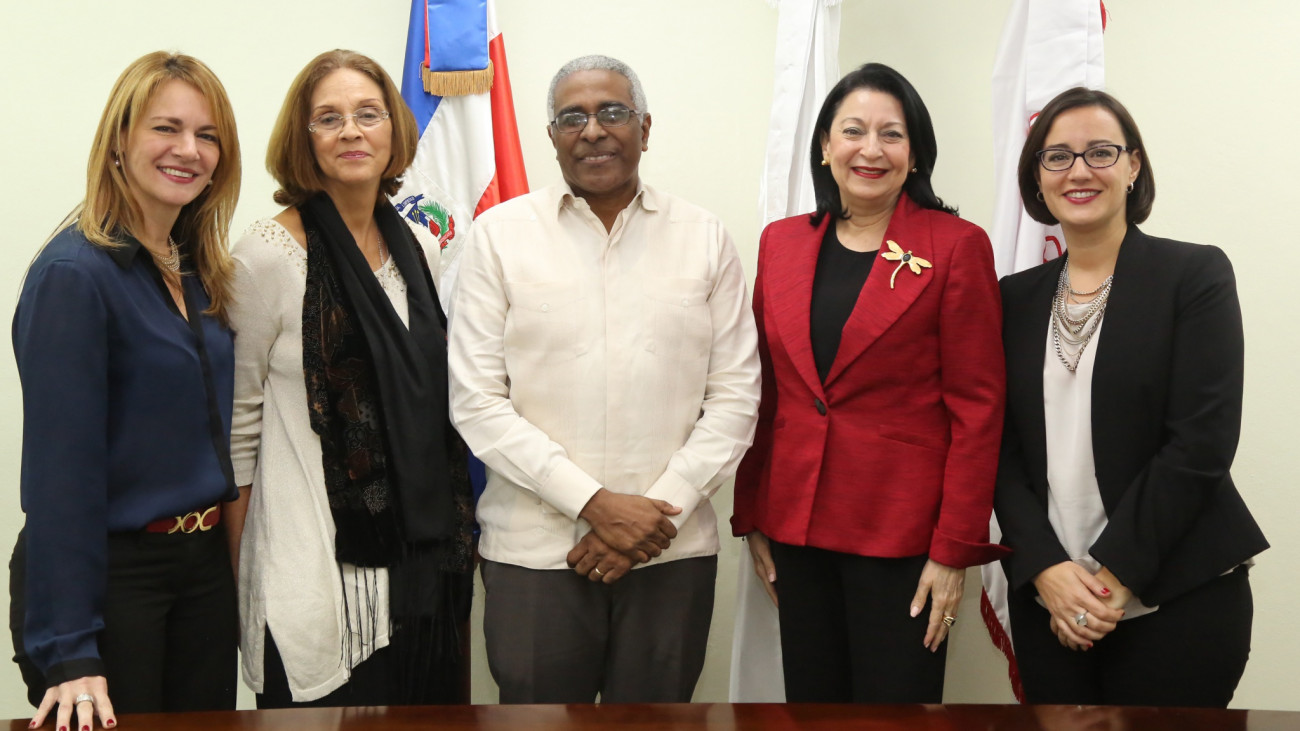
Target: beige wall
x=1212, y=84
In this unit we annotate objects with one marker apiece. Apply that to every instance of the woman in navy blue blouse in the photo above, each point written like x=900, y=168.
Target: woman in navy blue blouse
x=121, y=577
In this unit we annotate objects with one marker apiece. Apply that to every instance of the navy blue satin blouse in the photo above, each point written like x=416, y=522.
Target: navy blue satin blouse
x=126, y=419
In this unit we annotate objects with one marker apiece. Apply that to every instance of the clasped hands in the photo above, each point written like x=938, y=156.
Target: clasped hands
x=1070, y=591
x=625, y=530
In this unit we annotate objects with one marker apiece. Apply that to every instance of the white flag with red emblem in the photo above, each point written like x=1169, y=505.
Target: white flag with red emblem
x=807, y=65
x=1047, y=46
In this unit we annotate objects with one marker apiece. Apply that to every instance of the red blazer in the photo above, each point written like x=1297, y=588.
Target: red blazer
x=897, y=453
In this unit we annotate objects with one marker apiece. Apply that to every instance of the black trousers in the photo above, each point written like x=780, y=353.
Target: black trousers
x=847, y=634
x=1191, y=652
x=171, y=623
x=556, y=637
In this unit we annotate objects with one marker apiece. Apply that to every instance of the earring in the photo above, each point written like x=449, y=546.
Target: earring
x=1040, y=195
x=913, y=169
x=825, y=162
x=117, y=163
x=1130, y=187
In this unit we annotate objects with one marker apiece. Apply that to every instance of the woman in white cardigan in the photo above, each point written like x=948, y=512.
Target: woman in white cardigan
x=354, y=566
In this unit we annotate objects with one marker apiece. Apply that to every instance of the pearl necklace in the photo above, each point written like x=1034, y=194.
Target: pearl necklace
x=1070, y=336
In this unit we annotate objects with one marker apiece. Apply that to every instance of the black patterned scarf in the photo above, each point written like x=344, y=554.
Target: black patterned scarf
x=395, y=469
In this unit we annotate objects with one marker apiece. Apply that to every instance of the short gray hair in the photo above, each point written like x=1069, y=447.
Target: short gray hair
x=597, y=63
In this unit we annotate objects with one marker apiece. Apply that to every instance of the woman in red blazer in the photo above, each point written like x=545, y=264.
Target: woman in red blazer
x=868, y=490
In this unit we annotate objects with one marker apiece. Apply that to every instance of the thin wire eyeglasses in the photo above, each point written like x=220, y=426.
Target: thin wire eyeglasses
x=333, y=121
x=612, y=116
x=1099, y=156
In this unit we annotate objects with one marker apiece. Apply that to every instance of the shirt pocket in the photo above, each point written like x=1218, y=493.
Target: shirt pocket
x=547, y=318
x=680, y=322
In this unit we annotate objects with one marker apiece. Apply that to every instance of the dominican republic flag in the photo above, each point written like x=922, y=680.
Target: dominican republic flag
x=1047, y=46
x=807, y=66
x=456, y=83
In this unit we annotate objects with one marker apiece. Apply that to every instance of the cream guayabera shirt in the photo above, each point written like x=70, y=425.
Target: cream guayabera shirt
x=582, y=359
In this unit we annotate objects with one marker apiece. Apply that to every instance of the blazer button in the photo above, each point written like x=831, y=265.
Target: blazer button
x=821, y=407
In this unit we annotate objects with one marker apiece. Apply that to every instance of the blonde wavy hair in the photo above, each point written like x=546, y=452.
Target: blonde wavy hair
x=109, y=207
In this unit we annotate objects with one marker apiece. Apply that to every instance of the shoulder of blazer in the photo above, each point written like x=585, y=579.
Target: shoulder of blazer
x=947, y=226
x=794, y=227
x=1156, y=259
x=1027, y=283
x=785, y=238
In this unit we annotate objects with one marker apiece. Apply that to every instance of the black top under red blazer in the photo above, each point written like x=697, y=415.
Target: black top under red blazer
x=1166, y=415
x=896, y=454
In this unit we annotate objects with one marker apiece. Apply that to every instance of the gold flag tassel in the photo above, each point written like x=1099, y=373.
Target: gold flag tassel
x=457, y=83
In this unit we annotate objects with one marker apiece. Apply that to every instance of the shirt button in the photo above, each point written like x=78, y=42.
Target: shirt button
x=821, y=407
x=546, y=308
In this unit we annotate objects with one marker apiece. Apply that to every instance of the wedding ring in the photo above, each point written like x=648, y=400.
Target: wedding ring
x=1081, y=619
x=84, y=698
x=949, y=620
x=598, y=571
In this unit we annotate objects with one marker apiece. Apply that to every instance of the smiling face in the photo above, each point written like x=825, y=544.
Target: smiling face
x=171, y=152
x=868, y=150
x=599, y=163
x=1086, y=199
x=353, y=155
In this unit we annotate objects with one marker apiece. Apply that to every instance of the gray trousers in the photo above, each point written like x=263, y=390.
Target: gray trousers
x=556, y=637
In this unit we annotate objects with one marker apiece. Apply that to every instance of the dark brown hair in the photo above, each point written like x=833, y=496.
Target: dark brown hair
x=1144, y=187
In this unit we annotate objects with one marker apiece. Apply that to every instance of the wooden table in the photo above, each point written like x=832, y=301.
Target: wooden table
x=688, y=717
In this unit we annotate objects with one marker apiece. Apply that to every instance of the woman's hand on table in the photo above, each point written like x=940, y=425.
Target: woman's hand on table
x=66, y=696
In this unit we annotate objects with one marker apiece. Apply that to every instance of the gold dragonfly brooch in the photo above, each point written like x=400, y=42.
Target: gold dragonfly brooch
x=897, y=254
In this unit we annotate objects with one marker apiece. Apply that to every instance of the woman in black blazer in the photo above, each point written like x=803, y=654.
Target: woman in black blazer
x=1124, y=369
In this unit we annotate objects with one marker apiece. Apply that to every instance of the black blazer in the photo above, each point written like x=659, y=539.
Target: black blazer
x=1166, y=416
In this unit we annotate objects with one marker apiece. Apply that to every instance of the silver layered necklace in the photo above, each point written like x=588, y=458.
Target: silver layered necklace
x=1071, y=335
x=171, y=262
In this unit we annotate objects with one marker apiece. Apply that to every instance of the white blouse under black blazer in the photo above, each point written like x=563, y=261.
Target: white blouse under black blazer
x=1166, y=416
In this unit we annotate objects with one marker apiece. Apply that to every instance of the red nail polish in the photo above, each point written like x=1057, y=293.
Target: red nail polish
x=111, y=722
x=85, y=728
x=63, y=728
x=31, y=725
x=1105, y=591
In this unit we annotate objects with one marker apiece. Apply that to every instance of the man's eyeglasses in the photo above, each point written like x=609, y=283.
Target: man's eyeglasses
x=333, y=121
x=1100, y=156
x=613, y=116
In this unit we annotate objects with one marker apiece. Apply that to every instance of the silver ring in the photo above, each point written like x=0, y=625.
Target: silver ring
x=1081, y=619
x=598, y=571
x=84, y=698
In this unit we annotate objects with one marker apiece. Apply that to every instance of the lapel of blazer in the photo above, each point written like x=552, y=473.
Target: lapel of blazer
x=792, y=262
x=879, y=305
x=1121, y=337
x=1025, y=336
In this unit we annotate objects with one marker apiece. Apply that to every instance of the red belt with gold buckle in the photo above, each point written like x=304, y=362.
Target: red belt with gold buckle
x=196, y=520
